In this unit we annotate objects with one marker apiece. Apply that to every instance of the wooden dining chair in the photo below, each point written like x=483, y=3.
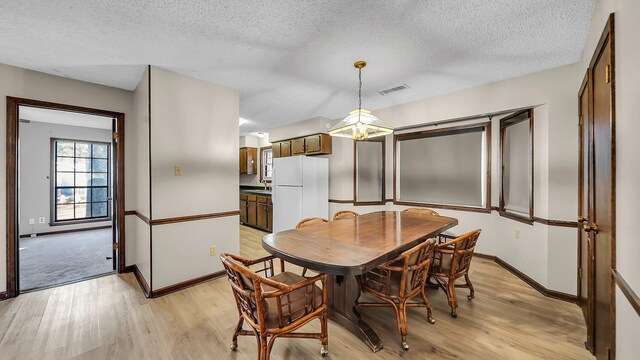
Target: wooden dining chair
x=344, y=214
x=421, y=211
x=451, y=261
x=398, y=281
x=309, y=222
x=442, y=237
x=273, y=305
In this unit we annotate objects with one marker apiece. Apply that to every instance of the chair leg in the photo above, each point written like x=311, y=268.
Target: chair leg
x=324, y=350
x=263, y=350
x=234, y=340
x=401, y=319
x=470, y=286
x=451, y=296
x=428, y=306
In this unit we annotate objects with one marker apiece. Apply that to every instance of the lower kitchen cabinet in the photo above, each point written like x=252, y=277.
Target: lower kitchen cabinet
x=256, y=211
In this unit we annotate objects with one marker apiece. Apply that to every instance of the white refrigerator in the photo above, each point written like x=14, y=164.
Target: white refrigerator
x=300, y=190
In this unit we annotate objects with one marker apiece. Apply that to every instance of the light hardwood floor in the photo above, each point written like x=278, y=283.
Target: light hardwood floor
x=109, y=318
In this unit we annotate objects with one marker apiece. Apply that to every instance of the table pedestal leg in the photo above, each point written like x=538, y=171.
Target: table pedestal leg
x=342, y=293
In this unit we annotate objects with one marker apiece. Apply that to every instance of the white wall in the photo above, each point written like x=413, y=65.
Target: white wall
x=29, y=84
x=627, y=87
x=35, y=171
x=540, y=251
x=194, y=124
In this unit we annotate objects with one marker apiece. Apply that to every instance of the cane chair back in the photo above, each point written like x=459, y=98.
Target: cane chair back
x=421, y=211
x=311, y=221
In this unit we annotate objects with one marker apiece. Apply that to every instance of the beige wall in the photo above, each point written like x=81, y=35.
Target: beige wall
x=35, y=171
x=547, y=255
x=194, y=124
x=627, y=75
x=34, y=85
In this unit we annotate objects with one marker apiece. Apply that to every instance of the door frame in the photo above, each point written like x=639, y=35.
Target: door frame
x=12, y=137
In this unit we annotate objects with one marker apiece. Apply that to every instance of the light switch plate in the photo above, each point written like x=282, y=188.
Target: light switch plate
x=32, y=221
x=213, y=250
x=178, y=170
x=42, y=220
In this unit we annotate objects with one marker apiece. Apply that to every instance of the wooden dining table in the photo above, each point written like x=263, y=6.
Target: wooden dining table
x=346, y=248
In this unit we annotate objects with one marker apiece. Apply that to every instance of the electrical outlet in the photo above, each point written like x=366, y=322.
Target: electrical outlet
x=32, y=221
x=178, y=170
x=42, y=220
x=213, y=250
x=518, y=234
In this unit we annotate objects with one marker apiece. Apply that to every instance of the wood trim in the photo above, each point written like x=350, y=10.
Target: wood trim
x=187, y=284
x=561, y=223
x=68, y=231
x=148, y=221
x=337, y=201
x=554, y=294
x=12, y=136
x=628, y=292
x=383, y=141
x=454, y=129
x=441, y=206
x=139, y=215
x=504, y=124
x=180, y=219
x=141, y=281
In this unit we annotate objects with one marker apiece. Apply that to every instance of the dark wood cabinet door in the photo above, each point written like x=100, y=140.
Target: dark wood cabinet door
x=261, y=216
x=243, y=161
x=313, y=143
x=276, y=150
x=243, y=211
x=251, y=213
x=297, y=146
x=285, y=148
x=270, y=217
x=252, y=160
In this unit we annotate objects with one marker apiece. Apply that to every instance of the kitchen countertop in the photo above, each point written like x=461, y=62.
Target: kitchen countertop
x=254, y=190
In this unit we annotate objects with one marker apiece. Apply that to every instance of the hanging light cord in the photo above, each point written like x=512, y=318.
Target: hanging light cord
x=359, y=92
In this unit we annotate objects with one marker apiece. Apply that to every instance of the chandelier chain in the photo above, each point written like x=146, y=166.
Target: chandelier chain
x=359, y=92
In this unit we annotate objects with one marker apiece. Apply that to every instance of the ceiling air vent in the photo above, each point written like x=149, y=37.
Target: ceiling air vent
x=394, y=89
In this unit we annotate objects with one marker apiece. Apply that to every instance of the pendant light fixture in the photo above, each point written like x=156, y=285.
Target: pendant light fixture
x=360, y=124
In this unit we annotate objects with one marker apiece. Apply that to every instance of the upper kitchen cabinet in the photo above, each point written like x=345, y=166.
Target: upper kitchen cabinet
x=248, y=160
x=318, y=144
x=297, y=146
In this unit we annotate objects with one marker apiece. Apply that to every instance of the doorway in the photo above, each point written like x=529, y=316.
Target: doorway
x=65, y=186
x=596, y=237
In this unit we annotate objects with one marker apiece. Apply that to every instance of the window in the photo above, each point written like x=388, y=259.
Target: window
x=80, y=181
x=369, y=171
x=266, y=163
x=516, y=176
x=446, y=168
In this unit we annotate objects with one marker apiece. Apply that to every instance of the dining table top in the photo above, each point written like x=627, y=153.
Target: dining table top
x=355, y=245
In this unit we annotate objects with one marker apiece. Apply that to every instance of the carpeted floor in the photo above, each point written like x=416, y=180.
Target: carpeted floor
x=50, y=260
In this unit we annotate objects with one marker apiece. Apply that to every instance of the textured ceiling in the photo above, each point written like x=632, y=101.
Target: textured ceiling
x=292, y=60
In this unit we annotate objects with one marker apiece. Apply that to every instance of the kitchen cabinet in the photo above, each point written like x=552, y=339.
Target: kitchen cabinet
x=297, y=146
x=275, y=147
x=256, y=211
x=318, y=144
x=285, y=148
x=248, y=160
x=243, y=208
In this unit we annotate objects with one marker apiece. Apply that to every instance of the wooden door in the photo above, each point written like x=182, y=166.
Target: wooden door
x=585, y=244
x=261, y=215
x=243, y=161
x=285, y=148
x=251, y=212
x=276, y=150
x=312, y=143
x=297, y=146
x=599, y=226
x=243, y=209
